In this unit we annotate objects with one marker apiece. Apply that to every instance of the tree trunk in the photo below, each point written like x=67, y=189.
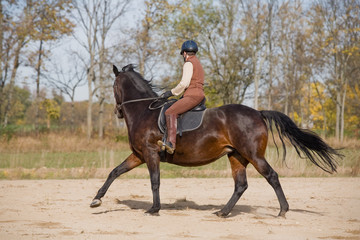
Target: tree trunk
x=324, y=127
x=338, y=113
x=256, y=91
x=286, y=104
x=72, y=119
x=257, y=80
x=270, y=54
x=101, y=85
x=342, y=117
x=12, y=81
x=343, y=101
x=48, y=120
x=37, y=100
x=2, y=80
x=89, y=109
x=90, y=79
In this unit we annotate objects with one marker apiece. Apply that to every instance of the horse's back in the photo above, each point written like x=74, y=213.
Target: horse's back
x=240, y=114
x=243, y=125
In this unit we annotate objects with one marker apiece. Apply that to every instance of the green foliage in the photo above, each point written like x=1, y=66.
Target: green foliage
x=121, y=138
x=19, y=104
x=8, y=132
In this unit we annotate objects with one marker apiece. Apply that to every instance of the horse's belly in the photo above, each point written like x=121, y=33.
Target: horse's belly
x=198, y=157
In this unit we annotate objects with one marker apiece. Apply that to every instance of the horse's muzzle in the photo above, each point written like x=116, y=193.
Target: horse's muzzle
x=118, y=111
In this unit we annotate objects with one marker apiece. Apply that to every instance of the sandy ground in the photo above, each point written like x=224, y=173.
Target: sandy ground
x=320, y=208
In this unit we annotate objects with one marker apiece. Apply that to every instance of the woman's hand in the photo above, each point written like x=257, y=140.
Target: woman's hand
x=167, y=94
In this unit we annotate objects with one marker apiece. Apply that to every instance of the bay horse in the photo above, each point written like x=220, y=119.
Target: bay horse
x=235, y=130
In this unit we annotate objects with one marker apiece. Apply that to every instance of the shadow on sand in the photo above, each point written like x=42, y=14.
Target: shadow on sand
x=183, y=204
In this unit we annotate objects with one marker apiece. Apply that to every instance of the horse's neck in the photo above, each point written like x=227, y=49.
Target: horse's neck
x=133, y=111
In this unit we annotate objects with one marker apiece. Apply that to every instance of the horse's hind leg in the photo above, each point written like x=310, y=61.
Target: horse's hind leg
x=263, y=167
x=238, y=167
x=131, y=162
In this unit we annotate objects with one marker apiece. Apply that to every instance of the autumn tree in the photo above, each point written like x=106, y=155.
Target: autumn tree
x=110, y=12
x=339, y=30
x=50, y=24
x=95, y=19
x=254, y=25
x=20, y=103
x=52, y=110
x=67, y=79
x=271, y=32
x=16, y=19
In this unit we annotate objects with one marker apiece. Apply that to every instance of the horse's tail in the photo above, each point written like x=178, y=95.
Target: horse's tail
x=305, y=141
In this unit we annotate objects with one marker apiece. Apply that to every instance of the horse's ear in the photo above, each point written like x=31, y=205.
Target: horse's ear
x=115, y=70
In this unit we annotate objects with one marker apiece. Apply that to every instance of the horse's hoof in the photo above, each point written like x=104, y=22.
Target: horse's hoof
x=282, y=214
x=152, y=212
x=220, y=214
x=95, y=203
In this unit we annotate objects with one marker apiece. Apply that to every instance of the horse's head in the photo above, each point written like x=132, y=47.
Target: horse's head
x=117, y=94
x=129, y=85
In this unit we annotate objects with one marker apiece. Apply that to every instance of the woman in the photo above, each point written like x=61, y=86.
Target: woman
x=192, y=85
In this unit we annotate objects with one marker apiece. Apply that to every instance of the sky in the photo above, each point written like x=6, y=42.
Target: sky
x=60, y=53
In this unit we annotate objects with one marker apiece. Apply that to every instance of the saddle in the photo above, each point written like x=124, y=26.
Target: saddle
x=187, y=121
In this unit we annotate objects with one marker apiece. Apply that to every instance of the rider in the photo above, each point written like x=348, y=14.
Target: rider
x=192, y=84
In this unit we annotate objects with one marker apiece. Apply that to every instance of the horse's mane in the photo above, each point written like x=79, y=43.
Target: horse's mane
x=128, y=68
x=139, y=80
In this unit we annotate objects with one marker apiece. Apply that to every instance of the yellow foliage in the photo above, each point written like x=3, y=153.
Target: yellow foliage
x=296, y=117
x=353, y=120
x=51, y=107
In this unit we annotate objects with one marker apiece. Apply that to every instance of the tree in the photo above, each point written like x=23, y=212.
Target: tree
x=255, y=14
x=2, y=80
x=145, y=45
x=52, y=110
x=67, y=80
x=339, y=31
x=15, y=34
x=23, y=22
x=20, y=102
x=270, y=33
x=50, y=23
x=95, y=18
x=289, y=27
x=110, y=12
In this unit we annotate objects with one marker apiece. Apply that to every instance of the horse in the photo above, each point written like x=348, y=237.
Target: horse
x=235, y=130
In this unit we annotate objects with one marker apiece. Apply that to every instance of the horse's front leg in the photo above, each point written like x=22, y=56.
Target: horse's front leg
x=153, y=163
x=130, y=162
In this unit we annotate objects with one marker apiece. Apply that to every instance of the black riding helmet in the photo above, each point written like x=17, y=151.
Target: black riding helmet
x=189, y=46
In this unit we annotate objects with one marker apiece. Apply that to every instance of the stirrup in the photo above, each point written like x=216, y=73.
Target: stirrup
x=162, y=145
x=169, y=148
x=166, y=146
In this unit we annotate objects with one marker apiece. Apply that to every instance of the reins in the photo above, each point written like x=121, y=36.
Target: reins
x=144, y=99
x=139, y=100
